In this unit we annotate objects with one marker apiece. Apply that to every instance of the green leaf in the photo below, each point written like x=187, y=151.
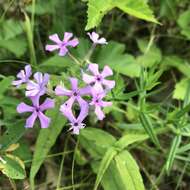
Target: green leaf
x=180, y=89
x=137, y=8
x=146, y=123
x=10, y=28
x=16, y=45
x=109, y=155
x=13, y=168
x=128, y=139
x=5, y=83
x=150, y=57
x=96, y=141
x=117, y=60
x=97, y=9
x=172, y=153
x=45, y=141
x=129, y=171
x=12, y=135
x=56, y=63
x=174, y=61
x=184, y=21
x=43, y=7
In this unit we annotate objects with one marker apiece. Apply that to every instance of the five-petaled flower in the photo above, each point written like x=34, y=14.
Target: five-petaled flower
x=39, y=87
x=76, y=122
x=75, y=93
x=97, y=101
x=23, y=76
x=98, y=80
x=37, y=111
x=63, y=45
x=95, y=38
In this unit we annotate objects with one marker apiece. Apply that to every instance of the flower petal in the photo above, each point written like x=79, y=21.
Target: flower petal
x=99, y=113
x=61, y=91
x=51, y=47
x=73, y=42
x=102, y=41
x=38, y=77
x=55, y=38
x=94, y=68
x=22, y=108
x=88, y=78
x=28, y=71
x=17, y=82
x=63, y=51
x=30, y=121
x=85, y=91
x=44, y=120
x=107, y=71
x=66, y=110
x=47, y=104
x=108, y=83
x=83, y=109
x=105, y=104
x=67, y=36
x=74, y=83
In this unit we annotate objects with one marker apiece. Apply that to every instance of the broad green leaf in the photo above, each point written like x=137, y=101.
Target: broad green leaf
x=151, y=56
x=96, y=141
x=10, y=28
x=117, y=60
x=146, y=123
x=106, y=160
x=43, y=7
x=137, y=8
x=180, y=89
x=129, y=171
x=45, y=141
x=14, y=132
x=16, y=45
x=174, y=61
x=56, y=63
x=111, y=179
x=5, y=83
x=128, y=139
x=184, y=21
x=13, y=168
x=97, y=9
x=172, y=153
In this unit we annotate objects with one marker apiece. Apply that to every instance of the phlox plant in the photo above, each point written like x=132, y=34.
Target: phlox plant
x=88, y=98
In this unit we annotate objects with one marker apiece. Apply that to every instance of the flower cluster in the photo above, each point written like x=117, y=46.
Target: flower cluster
x=91, y=95
x=34, y=90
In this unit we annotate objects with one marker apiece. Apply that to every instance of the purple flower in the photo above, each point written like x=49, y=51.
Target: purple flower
x=94, y=37
x=37, y=111
x=76, y=123
x=37, y=88
x=98, y=80
x=62, y=45
x=23, y=76
x=99, y=103
x=75, y=93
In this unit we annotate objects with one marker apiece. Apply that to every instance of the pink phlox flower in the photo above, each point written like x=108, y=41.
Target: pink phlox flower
x=97, y=80
x=75, y=93
x=23, y=76
x=37, y=111
x=39, y=87
x=62, y=45
x=75, y=122
x=99, y=103
x=95, y=38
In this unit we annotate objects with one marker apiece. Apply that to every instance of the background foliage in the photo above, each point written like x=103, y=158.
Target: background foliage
x=144, y=141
